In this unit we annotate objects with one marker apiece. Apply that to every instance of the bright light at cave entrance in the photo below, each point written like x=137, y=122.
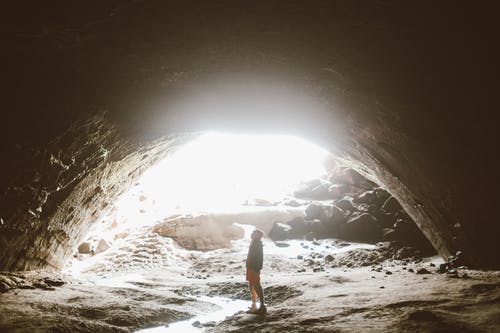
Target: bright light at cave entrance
x=220, y=172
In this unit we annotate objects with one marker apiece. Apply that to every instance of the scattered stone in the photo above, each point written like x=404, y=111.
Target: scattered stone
x=84, y=248
x=121, y=235
x=53, y=282
x=209, y=324
x=102, y=246
x=452, y=273
x=411, y=270
x=329, y=258
x=422, y=271
x=4, y=287
x=26, y=286
x=42, y=285
x=388, y=272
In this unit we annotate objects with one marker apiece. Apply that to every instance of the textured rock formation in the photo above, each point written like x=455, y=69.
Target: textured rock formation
x=388, y=88
x=56, y=194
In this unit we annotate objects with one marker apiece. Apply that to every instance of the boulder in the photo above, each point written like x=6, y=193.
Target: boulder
x=299, y=227
x=280, y=231
x=292, y=203
x=311, y=236
x=382, y=195
x=368, y=197
x=423, y=271
x=391, y=206
x=362, y=227
x=348, y=176
x=337, y=215
x=408, y=232
x=320, y=192
x=259, y=202
x=368, y=208
x=53, y=282
x=84, y=248
x=203, y=232
x=121, y=235
x=319, y=229
x=331, y=226
x=4, y=287
x=102, y=246
x=345, y=204
x=315, y=212
x=305, y=190
x=337, y=191
x=405, y=252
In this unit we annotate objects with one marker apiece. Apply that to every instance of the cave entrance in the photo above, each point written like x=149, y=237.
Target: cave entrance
x=212, y=191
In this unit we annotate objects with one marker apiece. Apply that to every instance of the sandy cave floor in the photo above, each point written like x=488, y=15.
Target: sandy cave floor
x=304, y=294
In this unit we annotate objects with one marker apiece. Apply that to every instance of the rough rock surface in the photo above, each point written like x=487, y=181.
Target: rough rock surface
x=326, y=289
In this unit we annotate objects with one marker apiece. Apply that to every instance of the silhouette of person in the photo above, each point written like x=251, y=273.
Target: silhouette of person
x=254, y=262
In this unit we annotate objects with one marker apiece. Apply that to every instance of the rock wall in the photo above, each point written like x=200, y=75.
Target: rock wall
x=56, y=194
x=401, y=92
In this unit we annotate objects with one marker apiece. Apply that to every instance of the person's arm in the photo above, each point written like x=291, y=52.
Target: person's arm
x=254, y=260
x=259, y=258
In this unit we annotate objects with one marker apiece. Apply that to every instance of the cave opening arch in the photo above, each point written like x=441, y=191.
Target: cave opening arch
x=101, y=155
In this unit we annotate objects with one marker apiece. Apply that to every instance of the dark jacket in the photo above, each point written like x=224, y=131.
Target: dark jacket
x=255, y=255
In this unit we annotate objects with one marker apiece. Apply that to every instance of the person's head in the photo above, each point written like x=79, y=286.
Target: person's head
x=257, y=234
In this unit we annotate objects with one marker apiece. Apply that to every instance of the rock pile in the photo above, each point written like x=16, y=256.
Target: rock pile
x=31, y=280
x=350, y=207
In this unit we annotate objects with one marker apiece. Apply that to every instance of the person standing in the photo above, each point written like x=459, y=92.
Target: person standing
x=254, y=263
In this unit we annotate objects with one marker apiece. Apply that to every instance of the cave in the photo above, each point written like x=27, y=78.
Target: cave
x=398, y=233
